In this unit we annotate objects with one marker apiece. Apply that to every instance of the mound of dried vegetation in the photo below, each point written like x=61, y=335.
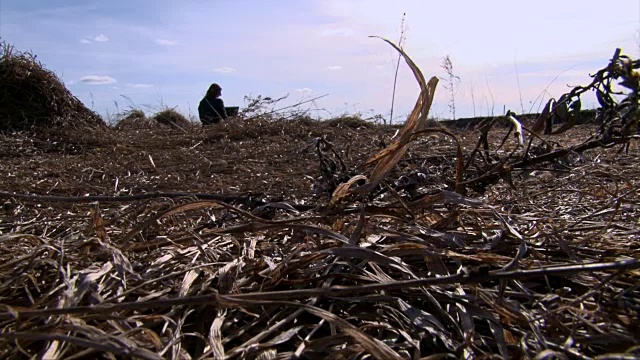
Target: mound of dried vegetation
x=33, y=98
x=132, y=120
x=172, y=119
x=430, y=244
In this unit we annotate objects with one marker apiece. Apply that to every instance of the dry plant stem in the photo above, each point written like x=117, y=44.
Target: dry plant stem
x=395, y=76
x=515, y=65
x=577, y=149
x=122, y=198
x=265, y=298
x=93, y=344
x=289, y=106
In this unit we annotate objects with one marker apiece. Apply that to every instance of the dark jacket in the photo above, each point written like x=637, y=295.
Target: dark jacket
x=211, y=110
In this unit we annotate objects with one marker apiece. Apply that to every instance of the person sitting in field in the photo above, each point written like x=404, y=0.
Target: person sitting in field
x=211, y=108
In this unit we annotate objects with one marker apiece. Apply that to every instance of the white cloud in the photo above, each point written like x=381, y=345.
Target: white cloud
x=140, y=86
x=338, y=32
x=165, y=42
x=304, y=90
x=225, y=70
x=335, y=67
x=101, y=38
x=97, y=80
x=70, y=82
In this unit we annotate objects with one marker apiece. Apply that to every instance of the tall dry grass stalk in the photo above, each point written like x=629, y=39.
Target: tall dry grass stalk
x=395, y=76
x=450, y=85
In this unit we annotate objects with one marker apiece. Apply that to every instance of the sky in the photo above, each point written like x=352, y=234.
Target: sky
x=117, y=55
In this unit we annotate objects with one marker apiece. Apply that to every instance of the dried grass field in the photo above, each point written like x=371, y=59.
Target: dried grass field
x=118, y=255
x=267, y=238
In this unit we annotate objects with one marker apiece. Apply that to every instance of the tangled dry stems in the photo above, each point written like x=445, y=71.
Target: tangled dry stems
x=34, y=98
x=172, y=119
x=262, y=273
x=132, y=120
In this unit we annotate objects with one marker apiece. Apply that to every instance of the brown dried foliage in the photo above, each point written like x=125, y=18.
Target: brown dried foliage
x=33, y=98
x=172, y=119
x=208, y=243
x=134, y=119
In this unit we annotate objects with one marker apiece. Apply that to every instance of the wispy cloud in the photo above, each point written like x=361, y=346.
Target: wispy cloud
x=335, y=67
x=338, y=32
x=304, y=90
x=225, y=70
x=166, y=42
x=97, y=80
x=101, y=38
x=90, y=39
x=140, y=86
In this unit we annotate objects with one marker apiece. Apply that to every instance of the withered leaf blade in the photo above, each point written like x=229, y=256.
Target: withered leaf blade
x=342, y=190
x=366, y=254
x=540, y=124
x=375, y=347
x=277, y=205
x=426, y=321
x=388, y=158
x=97, y=223
x=572, y=116
x=284, y=336
x=561, y=109
x=215, y=336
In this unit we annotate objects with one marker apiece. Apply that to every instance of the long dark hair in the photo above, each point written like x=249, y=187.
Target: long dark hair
x=214, y=90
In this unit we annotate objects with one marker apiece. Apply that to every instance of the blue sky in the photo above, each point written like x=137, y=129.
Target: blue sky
x=151, y=54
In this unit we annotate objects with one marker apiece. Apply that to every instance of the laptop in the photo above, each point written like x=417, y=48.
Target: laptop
x=232, y=110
